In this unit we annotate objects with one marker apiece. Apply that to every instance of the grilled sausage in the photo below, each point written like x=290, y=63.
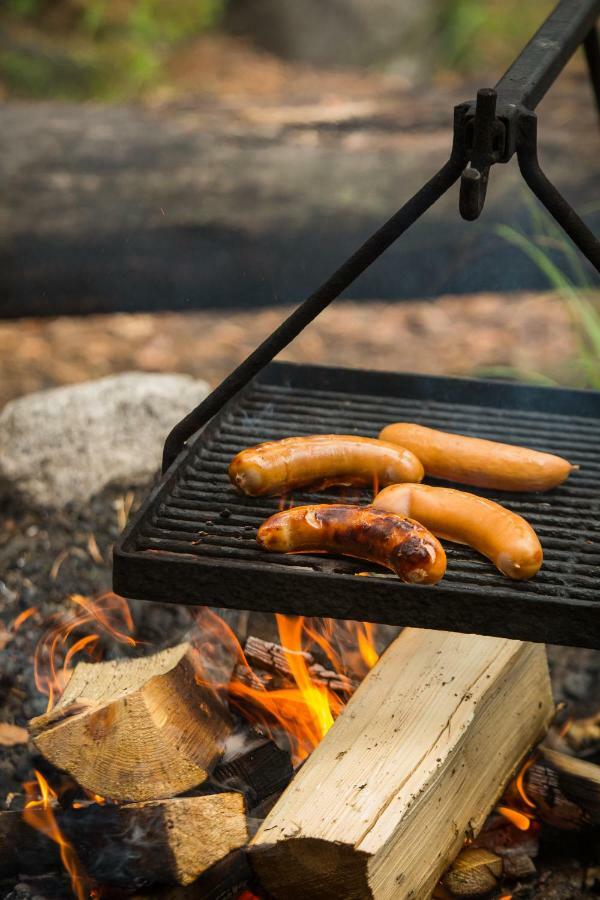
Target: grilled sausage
x=393, y=541
x=469, y=460
x=321, y=460
x=504, y=537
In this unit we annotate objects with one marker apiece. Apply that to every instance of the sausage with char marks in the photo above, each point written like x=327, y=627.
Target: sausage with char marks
x=393, y=541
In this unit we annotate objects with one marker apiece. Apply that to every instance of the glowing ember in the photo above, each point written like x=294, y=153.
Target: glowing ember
x=38, y=814
x=107, y=615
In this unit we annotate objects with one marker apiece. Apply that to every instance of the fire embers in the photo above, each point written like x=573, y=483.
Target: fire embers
x=391, y=540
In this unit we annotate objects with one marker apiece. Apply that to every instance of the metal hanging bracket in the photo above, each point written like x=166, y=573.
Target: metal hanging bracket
x=489, y=131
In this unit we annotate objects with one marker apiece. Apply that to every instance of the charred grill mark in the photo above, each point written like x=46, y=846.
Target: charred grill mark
x=388, y=539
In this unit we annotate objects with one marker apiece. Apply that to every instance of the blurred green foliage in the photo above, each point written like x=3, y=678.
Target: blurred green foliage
x=95, y=48
x=478, y=36
x=116, y=49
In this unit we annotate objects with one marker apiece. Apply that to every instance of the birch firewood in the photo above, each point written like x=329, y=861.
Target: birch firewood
x=412, y=766
x=134, y=730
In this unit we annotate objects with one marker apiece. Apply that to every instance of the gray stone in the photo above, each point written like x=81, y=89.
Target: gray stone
x=346, y=32
x=67, y=443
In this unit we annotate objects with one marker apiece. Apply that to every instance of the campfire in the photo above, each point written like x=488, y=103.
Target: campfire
x=310, y=765
x=276, y=753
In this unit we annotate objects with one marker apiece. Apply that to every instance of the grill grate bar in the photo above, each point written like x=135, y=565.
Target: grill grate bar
x=196, y=538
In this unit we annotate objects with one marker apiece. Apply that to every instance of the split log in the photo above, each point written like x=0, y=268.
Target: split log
x=131, y=845
x=565, y=789
x=134, y=730
x=473, y=873
x=411, y=767
x=161, y=841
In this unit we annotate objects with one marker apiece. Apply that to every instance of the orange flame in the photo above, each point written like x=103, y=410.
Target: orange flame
x=520, y=785
x=366, y=643
x=320, y=703
x=38, y=814
x=108, y=614
x=22, y=617
x=305, y=710
x=516, y=818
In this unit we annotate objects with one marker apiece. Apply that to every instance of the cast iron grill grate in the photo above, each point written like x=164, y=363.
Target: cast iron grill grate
x=194, y=541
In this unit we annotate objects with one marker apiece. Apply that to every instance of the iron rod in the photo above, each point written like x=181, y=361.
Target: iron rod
x=372, y=248
x=545, y=191
x=591, y=45
x=547, y=53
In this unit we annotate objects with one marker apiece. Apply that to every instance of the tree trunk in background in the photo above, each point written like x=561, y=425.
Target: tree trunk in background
x=338, y=32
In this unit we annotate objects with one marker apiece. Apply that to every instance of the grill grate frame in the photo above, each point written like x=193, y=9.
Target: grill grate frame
x=193, y=541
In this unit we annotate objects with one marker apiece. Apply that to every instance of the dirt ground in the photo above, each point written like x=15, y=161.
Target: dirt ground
x=530, y=333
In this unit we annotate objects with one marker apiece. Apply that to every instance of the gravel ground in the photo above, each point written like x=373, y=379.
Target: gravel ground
x=452, y=335
x=44, y=559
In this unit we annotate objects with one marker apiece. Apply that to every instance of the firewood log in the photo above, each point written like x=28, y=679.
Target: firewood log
x=134, y=730
x=156, y=842
x=258, y=773
x=23, y=850
x=411, y=767
x=161, y=841
x=271, y=657
x=228, y=879
x=566, y=790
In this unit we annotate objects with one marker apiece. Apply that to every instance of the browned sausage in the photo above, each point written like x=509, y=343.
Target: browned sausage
x=321, y=460
x=468, y=460
x=504, y=537
x=393, y=541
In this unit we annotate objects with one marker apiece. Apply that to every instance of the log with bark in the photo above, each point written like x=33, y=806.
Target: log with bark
x=134, y=730
x=565, y=790
x=412, y=766
x=156, y=842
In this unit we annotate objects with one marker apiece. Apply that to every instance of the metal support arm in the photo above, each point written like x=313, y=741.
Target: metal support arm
x=500, y=124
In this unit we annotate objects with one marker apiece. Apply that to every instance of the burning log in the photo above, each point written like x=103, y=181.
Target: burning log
x=23, y=850
x=565, y=790
x=411, y=767
x=135, y=730
x=474, y=872
x=270, y=657
x=130, y=845
x=162, y=841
